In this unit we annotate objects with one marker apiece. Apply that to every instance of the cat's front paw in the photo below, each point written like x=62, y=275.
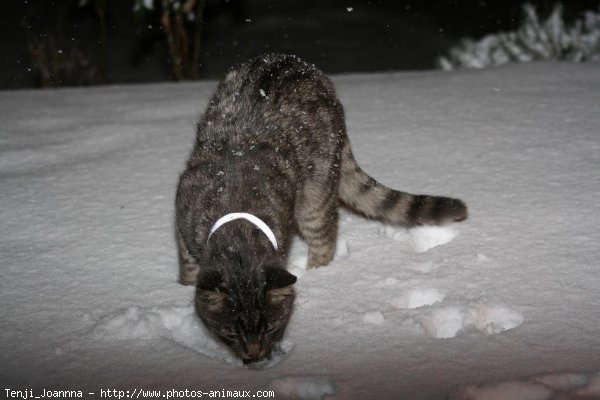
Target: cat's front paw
x=188, y=274
x=186, y=282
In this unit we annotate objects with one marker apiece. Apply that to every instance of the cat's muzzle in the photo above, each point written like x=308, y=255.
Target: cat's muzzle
x=253, y=350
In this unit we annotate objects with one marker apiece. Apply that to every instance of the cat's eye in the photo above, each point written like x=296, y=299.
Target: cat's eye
x=230, y=335
x=272, y=327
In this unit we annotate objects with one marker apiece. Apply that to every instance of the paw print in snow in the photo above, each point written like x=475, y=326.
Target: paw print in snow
x=451, y=321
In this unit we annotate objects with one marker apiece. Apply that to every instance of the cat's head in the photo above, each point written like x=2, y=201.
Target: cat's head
x=248, y=312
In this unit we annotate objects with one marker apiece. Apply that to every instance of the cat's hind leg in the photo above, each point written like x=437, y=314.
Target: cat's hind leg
x=317, y=219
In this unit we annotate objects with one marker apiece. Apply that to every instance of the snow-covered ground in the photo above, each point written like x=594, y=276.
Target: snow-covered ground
x=502, y=306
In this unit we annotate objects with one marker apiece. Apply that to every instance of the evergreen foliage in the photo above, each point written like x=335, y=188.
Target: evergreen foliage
x=550, y=39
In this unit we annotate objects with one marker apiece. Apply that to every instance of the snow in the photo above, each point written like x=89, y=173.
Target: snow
x=373, y=317
x=304, y=388
x=448, y=322
x=177, y=324
x=424, y=238
x=506, y=308
x=421, y=238
x=547, y=387
x=416, y=298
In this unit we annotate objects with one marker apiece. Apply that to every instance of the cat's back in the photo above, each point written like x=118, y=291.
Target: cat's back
x=272, y=78
x=272, y=87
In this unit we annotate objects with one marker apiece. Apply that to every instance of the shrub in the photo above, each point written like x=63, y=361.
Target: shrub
x=550, y=39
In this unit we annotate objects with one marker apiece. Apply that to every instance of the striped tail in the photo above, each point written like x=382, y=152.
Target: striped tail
x=365, y=195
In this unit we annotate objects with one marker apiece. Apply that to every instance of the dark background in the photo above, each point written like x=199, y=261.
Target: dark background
x=338, y=36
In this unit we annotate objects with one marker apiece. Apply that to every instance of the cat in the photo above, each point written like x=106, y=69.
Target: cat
x=272, y=158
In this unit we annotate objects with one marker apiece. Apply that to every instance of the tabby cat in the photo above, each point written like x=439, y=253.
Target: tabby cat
x=272, y=158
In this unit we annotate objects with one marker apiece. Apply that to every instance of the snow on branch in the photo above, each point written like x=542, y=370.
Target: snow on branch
x=550, y=39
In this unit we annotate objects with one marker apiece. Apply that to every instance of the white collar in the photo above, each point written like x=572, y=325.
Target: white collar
x=249, y=217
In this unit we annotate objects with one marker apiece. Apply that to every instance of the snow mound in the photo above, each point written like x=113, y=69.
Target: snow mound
x=387, y=282
x=393, y=232
x=442, y=323
x=302, y=387
x=179, y=325
x=297, y=265
x=555, y=386
x=507, y=390
x=491, y=319
x=448, y=322
x=417, y=298
x=297, y=262
x=421, y=238
x=342, y=250
x=373, y=317
x=424, y=238
x=482, y=257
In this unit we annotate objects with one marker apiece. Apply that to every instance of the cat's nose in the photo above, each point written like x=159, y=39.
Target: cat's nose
x=253, y=349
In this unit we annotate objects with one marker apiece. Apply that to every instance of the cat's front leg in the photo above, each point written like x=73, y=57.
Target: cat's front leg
x=188, y=268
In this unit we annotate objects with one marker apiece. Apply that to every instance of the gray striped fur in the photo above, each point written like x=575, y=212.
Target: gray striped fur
x=272, y=142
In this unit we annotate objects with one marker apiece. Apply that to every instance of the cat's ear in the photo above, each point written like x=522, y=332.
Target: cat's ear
x=277, y=278
x=209, y=280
